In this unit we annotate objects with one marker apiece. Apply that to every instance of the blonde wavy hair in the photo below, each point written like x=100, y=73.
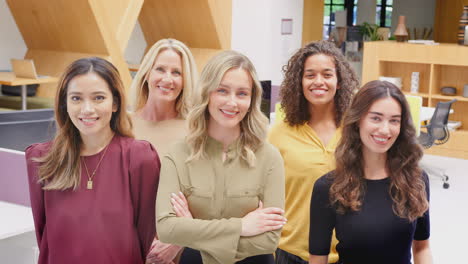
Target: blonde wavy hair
x=139, y=88
x=253, y=126
x=60, y=168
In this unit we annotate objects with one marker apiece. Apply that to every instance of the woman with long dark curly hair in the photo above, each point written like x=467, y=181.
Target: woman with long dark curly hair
x=315, y=93
x=377, y=199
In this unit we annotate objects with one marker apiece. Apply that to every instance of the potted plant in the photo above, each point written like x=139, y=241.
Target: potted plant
x=370, y=31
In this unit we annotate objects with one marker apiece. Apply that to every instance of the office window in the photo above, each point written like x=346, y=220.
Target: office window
x=383, y=14
x=331, y=6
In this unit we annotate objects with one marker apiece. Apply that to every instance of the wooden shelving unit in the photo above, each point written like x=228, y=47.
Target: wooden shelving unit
x=438, y=66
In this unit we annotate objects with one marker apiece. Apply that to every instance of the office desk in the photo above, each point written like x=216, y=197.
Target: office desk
x=17, y=236
x=428, y=112
x=16, y=220
x=9, y=78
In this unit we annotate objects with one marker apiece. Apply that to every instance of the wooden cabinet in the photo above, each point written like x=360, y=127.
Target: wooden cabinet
x=438, y=66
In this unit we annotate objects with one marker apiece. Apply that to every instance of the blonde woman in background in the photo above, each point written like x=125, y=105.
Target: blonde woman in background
x=222, y=189
x=161, y=91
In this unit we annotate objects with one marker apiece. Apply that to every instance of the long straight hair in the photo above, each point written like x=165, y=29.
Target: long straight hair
x=140, y=89
x=407, y=187
x=60, y=167
x=253, y=126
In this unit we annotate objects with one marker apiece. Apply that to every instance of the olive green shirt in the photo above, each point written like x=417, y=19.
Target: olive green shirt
x=219, y=195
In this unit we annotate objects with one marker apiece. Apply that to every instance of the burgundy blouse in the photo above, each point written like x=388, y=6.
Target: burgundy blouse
x=112, y=223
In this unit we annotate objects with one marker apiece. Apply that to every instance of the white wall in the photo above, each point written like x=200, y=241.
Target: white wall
x=366, y=11
x=419, y=13
x=256, y=32
x=11, y=42
x=136, y=46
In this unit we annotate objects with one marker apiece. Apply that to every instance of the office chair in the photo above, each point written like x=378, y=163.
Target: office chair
x=437, y=133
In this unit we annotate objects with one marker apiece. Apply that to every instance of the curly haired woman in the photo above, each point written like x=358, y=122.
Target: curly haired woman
x=315, y=93
x=377, y=199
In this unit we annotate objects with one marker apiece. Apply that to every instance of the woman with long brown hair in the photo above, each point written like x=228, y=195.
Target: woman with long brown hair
x=316, y=91
x=92, y=187
x=377, y=198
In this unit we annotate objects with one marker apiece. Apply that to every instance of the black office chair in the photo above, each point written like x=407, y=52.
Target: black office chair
x=437, y=133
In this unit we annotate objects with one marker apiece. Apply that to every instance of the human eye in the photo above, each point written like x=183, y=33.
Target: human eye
x=375, y=118
x=176, y=73
x=99, y=98
x=221, y=90
x=243, y=93
x=159, y=69
x=395, y=121
x=75, y=98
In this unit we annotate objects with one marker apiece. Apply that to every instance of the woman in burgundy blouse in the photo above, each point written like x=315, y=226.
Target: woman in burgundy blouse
x=93, y=187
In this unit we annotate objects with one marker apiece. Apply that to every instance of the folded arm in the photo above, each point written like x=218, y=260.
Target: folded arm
x=217, y=237
x=273, y=197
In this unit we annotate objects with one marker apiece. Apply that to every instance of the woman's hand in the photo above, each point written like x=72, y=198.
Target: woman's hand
x=262, y=220
x=162, y=253
x=180, y=205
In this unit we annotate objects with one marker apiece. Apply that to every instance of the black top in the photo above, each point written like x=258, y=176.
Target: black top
x=372, y=235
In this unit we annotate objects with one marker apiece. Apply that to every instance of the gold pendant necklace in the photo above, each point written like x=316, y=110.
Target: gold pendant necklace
x=89, y=184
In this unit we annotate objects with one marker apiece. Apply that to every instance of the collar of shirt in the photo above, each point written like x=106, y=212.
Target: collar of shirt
x=215, y=148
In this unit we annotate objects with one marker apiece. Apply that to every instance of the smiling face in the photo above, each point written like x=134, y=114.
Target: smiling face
x=90, y=104
x=380, y=127
x=165, y=78
x=230, y=101
x=320, y=81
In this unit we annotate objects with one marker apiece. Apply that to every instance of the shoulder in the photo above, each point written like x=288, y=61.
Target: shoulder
x=37, y=150
x=280, y=126
x=269, y=152
x=281, y=130
x=141, y=151
x=129, y=143
x=179, y=150
x=324, y=182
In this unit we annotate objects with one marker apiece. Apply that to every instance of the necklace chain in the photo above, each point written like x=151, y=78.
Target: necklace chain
x=90, y=177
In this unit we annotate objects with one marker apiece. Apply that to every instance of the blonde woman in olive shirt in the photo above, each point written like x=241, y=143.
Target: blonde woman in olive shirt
x=233, y=180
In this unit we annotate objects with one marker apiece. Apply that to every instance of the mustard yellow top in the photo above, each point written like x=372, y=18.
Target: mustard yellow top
x=306, y=159
x=219, y=195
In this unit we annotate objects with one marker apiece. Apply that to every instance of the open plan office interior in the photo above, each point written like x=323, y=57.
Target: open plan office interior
x=429, y=64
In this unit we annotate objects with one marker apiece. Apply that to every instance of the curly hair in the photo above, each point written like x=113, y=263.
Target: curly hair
x=253, y=126
x=293, y=101
x=407, y=187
